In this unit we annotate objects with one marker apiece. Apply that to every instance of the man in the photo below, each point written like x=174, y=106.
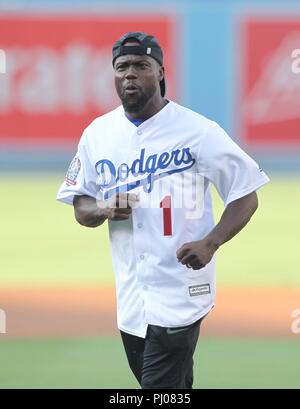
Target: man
x=163, y=254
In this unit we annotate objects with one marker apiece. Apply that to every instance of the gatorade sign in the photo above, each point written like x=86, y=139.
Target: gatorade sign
x=59, y=75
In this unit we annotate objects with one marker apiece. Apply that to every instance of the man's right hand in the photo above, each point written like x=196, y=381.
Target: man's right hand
x=119, y=207
x=90, y=212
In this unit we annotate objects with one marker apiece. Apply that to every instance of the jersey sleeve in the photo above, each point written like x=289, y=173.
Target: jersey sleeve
x=232, y=171
x=80, y=178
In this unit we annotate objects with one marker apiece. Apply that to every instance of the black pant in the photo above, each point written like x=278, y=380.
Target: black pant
x=164, y=359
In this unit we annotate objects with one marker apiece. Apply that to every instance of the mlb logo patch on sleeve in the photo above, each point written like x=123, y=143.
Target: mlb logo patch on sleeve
x=73, y=171
x=199, y=290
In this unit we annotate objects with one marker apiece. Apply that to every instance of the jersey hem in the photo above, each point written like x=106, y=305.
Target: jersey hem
x=246, y=191
x=184, y=324
x=166, y=325
x=135, y=333
x=66, y=199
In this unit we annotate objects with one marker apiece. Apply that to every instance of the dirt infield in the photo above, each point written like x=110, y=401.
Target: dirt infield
x=67, y=312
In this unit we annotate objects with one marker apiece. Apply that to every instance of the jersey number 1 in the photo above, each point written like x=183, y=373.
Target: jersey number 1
x=165, y=204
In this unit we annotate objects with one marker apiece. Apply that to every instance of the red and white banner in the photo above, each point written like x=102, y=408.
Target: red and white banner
x=270, y=84
x=59, y=74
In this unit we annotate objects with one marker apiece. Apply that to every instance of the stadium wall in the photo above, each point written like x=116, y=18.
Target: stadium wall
x=229, y=60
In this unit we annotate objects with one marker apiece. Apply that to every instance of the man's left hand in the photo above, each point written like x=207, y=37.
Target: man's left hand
x=196, y=254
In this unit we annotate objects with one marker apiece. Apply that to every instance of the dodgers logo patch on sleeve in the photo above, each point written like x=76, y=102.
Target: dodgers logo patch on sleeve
x=73, y=171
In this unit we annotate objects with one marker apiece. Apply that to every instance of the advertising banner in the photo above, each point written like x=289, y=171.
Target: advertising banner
x=59, y=73
x=270, y=81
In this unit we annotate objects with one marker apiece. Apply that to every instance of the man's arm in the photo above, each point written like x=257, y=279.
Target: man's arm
x=90, y=213
x=234, y=218
x=87, y=213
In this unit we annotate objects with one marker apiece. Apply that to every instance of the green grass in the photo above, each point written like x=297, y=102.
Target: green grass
x=41, y=241
x=42, y=244
x=266, y=252
x=101, y=363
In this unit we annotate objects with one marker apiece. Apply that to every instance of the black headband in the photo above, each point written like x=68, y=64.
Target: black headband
x=148, y=46
x=138, y=50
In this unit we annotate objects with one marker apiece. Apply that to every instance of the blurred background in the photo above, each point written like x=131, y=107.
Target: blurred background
x=229, y=60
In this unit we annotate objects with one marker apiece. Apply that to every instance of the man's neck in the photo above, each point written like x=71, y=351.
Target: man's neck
x=149, y=110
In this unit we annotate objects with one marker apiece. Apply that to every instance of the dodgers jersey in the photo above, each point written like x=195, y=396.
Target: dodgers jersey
x=169, y=161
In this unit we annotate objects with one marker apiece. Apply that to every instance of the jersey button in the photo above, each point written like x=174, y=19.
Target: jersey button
x=140, y=225
x=142, y=256
x=139, y=132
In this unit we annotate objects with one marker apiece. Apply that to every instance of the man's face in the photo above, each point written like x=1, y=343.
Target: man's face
x=137, y=79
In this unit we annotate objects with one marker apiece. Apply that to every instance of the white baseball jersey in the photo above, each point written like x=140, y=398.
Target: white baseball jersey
x=170, y=160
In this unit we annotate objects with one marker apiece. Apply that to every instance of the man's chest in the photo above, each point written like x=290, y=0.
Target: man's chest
x=128, y=160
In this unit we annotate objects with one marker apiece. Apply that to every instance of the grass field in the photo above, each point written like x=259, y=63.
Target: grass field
x=100, y=363
x=42, y=244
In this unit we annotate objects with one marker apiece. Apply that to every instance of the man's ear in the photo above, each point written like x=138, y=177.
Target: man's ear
x=161, y=73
